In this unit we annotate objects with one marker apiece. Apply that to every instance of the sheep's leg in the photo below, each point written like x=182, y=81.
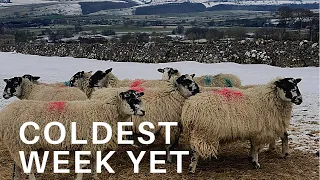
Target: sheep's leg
x=16, y=172
x=169, y=157
x=194, y=162
x=255, y=152
x=31, y=176
x=94, y=170
x=80, y=175
x=176, y=136
x=285, y=144
x=251, y=151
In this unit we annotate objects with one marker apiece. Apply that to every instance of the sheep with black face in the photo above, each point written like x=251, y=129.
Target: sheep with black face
x=84, y=113
x=162, y=104
x=259, y=114
x=23, y=88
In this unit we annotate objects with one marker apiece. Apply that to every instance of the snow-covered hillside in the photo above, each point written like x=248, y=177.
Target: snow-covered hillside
x=304, y=131
x=72, y=7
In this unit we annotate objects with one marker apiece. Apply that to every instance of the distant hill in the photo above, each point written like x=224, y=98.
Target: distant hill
x=261, y=7
x=91, y=7
x=185, y=7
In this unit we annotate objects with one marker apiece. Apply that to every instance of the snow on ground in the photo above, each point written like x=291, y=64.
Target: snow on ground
x=63, y=8
x=304, y=131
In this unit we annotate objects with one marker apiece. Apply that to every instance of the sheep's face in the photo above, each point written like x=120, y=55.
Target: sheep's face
x=76, y=78
x=288, y=90
x=98, y=78
x=168, y=72
x=132, y=104
x=31, y=78
x=13, y=87
x=187, y=86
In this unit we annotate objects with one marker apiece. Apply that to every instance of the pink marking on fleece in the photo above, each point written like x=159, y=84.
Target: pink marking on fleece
x=136, y=85
x=56, y=106
x=137, y=82
x=138, y=89
x=229, y=94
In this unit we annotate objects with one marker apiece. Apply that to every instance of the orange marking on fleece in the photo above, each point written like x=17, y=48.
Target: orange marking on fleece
x=56, y=106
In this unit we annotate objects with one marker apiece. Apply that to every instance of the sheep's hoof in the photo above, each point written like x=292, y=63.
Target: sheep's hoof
x=256, y=165
x=284, y=156
x=191, y=170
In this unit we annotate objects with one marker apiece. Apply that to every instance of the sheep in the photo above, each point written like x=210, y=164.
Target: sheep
x=116, y=83
x=87, y=82
x=122, y=107
x=111, y=81
x=23, y=88
x=34, y=79
x=219, y=80
x=82, y=81
x=163, y=105
x=168, y=73
x=272, y=144
x=100, y=79
x=259, y=114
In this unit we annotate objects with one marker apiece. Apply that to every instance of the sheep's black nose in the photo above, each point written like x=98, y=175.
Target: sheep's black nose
x=143, y=112
x=299, y=101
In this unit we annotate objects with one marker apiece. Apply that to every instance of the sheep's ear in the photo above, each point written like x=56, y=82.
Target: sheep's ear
x=19, y=79
x=175, y=71
x=192, y=75
x=278, y=84
x=5, y=80
x=122, y=95
x=161, y=70
x=34, y=78
x=108, y=70
x=140, y=94
x=297, y=80
x=180, y=79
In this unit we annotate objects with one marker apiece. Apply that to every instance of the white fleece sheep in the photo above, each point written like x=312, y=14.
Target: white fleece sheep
x=22, y=88
x=272, y=144
x=35, y=79
x=162, y=105
x=260, y=114
x=84, y=113
x=218, y=80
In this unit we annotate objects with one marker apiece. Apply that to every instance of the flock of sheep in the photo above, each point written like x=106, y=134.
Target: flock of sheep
x=210, y=110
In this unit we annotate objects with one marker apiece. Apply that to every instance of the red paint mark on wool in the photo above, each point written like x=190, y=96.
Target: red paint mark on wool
x=136, y=85
x=56, y=106
x=228, y=93
x=138, y=89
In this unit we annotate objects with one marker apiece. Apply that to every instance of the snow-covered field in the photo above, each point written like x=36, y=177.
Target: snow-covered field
x=304, y=131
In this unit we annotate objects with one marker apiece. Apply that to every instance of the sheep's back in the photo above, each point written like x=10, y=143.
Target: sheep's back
x=214, y=116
